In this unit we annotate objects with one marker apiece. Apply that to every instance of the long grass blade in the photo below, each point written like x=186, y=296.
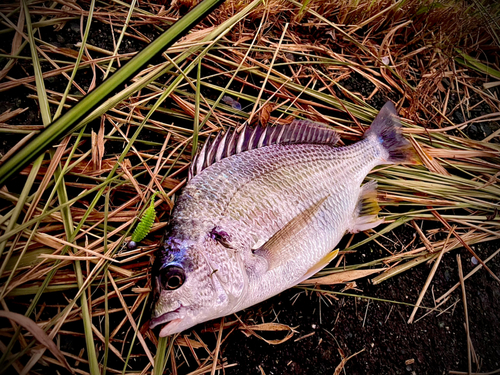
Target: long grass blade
x=66, y=123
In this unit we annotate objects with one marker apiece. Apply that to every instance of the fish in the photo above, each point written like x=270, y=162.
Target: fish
x=263, y=211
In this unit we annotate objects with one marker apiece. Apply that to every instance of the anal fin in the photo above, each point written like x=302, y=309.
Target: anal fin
x=365, y=215
x=320, y=265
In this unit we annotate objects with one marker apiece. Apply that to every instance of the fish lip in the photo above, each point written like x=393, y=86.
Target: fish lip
x=170, y=328
x=167, y=317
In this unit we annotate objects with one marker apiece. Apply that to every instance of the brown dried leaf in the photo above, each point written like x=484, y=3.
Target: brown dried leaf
x=85, y=167
x=38, y=334
x=95, y=154
x=250, y=330
x=242, y=40
x=8, y=114
x=429, y=162
x=265, y=114
x=342, y=363
x=68, y=52
x=183, y=341
x=128, y=175
x=460, y=154
x=189, y=109
x=351, y=286
x=100, y=144
x=18, y=37
x=270, y=327
x=343, y=277
x=47, y=240
x=192, y=37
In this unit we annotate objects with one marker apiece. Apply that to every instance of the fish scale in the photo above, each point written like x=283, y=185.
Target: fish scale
x=310, y=181
x=252, y=224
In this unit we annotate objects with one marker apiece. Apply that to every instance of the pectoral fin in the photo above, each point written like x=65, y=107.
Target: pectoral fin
x=282, y=245
x=365, y=215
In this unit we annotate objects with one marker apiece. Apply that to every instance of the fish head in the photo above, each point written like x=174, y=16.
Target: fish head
x=185, y=291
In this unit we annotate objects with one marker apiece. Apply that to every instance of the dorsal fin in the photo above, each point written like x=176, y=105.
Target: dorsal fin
x=299, y=131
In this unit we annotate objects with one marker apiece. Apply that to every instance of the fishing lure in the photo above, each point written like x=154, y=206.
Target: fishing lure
x=145, y=225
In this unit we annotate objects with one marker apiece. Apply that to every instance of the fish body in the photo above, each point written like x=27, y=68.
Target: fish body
x=254, y=223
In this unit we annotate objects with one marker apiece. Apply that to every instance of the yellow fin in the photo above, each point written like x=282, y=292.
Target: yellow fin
x=320, y=265
x=365, y=216
x=281, y=246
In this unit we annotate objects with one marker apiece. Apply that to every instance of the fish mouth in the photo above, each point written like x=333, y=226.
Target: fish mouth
x=170, y=328
x=171, y=316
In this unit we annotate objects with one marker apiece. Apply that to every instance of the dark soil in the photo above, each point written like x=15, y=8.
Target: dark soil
x=433, y=345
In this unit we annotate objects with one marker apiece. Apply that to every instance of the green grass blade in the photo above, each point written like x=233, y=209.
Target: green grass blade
x=18, y=209
x=162, y=353
x=106, y=307
x=78, y=60
x=134, y=336
x=87, y=319
x=196, y=125
x=66, y=123
x=125, y=25
x=40, y=85
x=477, y=65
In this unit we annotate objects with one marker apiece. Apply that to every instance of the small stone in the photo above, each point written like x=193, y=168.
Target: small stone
x=473, y=131
x=447, y=275
x=485, y=129
x=75, y=27
x=458, y=115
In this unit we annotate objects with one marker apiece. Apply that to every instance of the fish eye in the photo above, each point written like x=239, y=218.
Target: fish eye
x=172, y=277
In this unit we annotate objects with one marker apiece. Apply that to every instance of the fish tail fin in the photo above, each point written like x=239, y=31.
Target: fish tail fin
x=387, y=131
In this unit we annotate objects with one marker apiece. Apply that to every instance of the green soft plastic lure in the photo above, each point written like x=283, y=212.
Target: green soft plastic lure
x=145, y=225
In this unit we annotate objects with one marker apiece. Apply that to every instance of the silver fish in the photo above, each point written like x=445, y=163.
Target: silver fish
x=263, y=211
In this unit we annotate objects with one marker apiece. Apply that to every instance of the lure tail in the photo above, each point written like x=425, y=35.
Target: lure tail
x=386, y=130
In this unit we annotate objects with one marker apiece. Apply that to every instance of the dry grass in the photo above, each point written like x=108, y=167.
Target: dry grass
x=63, y=232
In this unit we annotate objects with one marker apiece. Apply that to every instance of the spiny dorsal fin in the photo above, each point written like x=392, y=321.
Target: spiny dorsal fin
x=299, y=131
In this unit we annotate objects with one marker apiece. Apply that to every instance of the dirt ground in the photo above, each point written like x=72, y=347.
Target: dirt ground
x=436, y=344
